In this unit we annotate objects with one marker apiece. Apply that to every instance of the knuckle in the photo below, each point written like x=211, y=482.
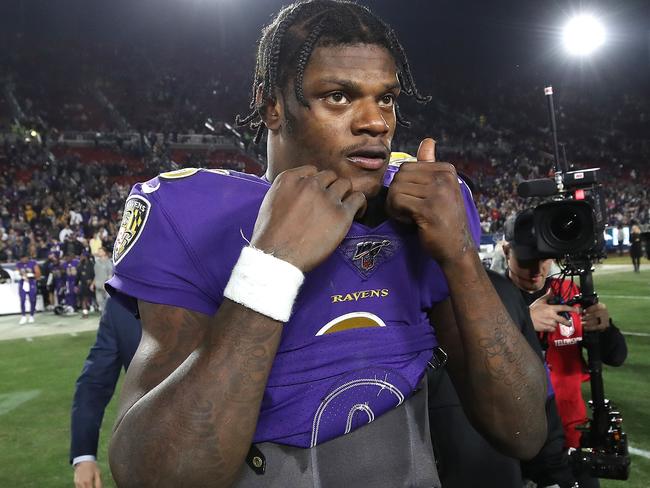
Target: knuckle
x=285, y=175
x=407, y=166
x=357, y=199
x=312, y=183
x=300, y=173
x=449, y=167
x=346, y=182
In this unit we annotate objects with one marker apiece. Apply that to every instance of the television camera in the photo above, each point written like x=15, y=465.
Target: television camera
x=569, y=227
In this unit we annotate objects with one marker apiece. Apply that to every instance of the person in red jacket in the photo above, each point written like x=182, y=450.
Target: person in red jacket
x=559, y=326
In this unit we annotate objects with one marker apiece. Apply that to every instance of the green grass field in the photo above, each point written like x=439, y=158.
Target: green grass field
x=37, y=383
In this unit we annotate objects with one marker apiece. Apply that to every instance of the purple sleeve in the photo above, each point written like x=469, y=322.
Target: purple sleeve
x=473, y=220
x=153, y=260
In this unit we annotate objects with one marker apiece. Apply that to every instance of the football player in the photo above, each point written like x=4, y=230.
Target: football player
x=30, y=273
x=287, y=320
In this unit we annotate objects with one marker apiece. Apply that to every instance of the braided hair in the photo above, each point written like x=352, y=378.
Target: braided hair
x=289, y=40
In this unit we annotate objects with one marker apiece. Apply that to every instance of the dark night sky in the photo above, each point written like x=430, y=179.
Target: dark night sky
x=476, y=41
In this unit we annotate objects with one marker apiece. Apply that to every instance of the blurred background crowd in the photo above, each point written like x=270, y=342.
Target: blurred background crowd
x=76, y=131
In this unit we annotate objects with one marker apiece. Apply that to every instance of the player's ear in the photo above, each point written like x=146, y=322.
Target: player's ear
x=270, y=109
x=506, y=249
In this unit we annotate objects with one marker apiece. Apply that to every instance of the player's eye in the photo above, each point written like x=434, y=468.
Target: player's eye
x=387, y=100
x=336, y=98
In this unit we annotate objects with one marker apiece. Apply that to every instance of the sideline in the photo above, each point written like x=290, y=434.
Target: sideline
x=47, y=323
x=603, y=269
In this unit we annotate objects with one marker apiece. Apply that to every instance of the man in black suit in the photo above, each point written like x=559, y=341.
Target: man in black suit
x=118, y=337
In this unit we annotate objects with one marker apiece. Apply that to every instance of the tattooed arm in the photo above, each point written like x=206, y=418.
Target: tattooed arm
x=499, y=380
x=498, y=377
x=192, y=396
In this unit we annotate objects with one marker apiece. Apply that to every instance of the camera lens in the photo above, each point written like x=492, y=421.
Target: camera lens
x=566, y=227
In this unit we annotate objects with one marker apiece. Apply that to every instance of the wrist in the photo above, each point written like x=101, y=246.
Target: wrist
x=83, y=459
x=264, y=283
x=460, y=264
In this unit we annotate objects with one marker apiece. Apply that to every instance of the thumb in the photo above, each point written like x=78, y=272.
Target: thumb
x=427, y=150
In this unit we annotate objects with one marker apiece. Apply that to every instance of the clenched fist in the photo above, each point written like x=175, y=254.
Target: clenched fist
x=305, y=216
x=427, y=194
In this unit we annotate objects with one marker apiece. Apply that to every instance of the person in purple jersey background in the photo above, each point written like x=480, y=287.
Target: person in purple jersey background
x=30, y=272
x=56, y=281
x=70, y=267
x=235, y=352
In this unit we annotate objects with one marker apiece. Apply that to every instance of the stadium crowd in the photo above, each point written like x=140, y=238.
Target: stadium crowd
x=57, y=201
x=77, y=132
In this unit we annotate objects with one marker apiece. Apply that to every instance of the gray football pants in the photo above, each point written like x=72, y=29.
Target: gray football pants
x=393, y=451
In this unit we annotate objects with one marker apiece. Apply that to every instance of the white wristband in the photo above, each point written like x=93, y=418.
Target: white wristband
x=264, y=283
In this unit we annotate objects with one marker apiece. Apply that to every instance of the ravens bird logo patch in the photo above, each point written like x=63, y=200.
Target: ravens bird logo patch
x=136, y=212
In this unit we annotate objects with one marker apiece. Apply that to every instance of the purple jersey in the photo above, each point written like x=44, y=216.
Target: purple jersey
x=359, y=339
x=70, y=270
x=27, y=273
x=58, y=275
x=55, y=248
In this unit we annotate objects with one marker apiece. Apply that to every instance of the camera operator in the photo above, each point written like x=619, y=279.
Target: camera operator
x=559, y=326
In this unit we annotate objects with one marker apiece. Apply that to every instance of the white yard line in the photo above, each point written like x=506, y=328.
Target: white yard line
x=637, y=334
x=633, y=297
x=640, y=452
x=11, y=401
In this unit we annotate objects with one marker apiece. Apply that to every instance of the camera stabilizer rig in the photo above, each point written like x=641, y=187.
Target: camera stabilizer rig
x=570, y=228
x=603, y=451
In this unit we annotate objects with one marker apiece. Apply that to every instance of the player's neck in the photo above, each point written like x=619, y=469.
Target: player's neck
x=376, y=211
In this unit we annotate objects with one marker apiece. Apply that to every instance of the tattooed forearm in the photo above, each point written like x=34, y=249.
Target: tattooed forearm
x=503, y=362
x=496, y=373
x=192, y=396
x=254, y=349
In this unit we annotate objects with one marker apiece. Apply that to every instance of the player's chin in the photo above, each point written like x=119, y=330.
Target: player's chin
x=369, y=186
x=367, y=182
x=531, y=285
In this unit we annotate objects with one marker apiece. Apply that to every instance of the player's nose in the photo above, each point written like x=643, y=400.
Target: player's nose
x=369, y=119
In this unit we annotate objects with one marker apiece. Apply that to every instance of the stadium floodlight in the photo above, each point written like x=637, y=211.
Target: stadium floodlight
x=583, y=34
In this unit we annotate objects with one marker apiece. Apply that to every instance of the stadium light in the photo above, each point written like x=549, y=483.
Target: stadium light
x=583, y=34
